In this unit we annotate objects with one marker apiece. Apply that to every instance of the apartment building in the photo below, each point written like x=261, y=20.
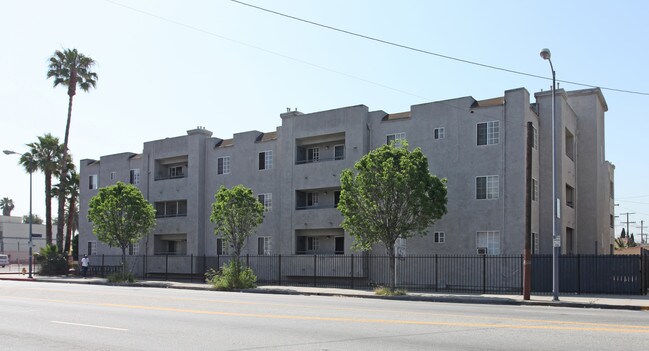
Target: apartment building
x=479, y=146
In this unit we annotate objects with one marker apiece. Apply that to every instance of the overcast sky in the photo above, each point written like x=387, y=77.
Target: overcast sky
x=169, y=66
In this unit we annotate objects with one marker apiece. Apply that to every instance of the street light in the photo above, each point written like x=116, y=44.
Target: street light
x=556, y=209
x=31, y=170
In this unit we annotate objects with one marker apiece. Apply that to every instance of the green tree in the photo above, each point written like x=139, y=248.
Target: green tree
x=390, y=195
x=71, y=69
x=236, y=213
x=35, y=219
x=120, y=216
x=7, y=205
x=71, y=194
x=45, y=156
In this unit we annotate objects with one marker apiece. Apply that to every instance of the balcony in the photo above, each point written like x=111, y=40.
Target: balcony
x=171, y=168
x=320, y=148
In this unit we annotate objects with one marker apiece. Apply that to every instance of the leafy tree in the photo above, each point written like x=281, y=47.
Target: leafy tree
x=236, y=213
x=631, y=242
x=623, y=234
x=35, y=219
x=120, y=216
x=71, y=194
x=71, y=69
x=45, y=156
x=7, y=205
x=390, y=195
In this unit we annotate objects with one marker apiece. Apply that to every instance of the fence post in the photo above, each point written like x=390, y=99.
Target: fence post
x=144, y=266
x=204, y=265
x=218, y=262
x=484, y=274
x=247, y=260
x=279, y=273
x=102, y=266
x=578, y=274
x=523, y=274
x=191, y=267
x=352, y=263
x=436, y=272
x=166, y=267
x=315, y=276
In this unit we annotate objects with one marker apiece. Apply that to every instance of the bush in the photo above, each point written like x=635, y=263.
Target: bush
x=51, y=261
x=386, y=291
x=227, y=279
x=121, y=277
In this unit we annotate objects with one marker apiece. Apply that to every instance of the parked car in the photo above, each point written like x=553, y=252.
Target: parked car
x=4, y=260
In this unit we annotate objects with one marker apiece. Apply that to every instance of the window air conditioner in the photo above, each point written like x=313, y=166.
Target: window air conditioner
x=482, y=251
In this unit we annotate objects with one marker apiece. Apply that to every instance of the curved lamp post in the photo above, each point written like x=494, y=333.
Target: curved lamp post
x=31, y=219
x=556, y=215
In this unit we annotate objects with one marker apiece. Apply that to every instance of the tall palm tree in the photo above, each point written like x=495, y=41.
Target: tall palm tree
x=72, y=69
x=71, y=194
x=7, y=205
x=44, y=155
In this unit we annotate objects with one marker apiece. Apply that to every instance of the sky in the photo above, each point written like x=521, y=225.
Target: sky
x=166, y=67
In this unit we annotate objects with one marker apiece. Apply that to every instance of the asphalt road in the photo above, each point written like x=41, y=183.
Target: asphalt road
x=52, y=316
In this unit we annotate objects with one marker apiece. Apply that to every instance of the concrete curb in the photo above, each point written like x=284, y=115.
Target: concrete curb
x=291, y=291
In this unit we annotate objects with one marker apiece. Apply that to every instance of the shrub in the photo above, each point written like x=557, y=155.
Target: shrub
x=386, y=291
x=51, y=261
x=226, y=278
x=121, y=277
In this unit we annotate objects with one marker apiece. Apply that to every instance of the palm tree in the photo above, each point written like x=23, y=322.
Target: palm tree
x=71, y=194
x=44, y=155
x=71, y=69
x=7, y=205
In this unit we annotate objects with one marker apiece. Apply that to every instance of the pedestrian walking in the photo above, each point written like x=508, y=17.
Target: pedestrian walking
x=85, y=263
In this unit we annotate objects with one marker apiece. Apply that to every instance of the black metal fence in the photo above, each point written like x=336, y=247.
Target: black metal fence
x=600, y=274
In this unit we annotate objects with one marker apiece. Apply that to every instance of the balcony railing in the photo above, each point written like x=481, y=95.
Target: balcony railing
x=320, y=159
x=184, y=175
x=318, y=207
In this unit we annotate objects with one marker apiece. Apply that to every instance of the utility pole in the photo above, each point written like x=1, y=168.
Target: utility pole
x=642, y=234
x=627, y=221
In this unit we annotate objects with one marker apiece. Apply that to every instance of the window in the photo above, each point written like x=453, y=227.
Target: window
x=339, y=245
x=336, y=197
x=313, y=154
x=263, y=245
x=488, y=242
x=93, y=182
x=134, y=176
x=312, y=199
x=395, y=137
x=92, y=248
x=486, y=187
x=339, y=152
x=535, y=190
x=570, y=196
x=176, y=208
x=612, y=221
x=223, y=165
x=612, y=190
x=266, y=160
x=222, y=247
x=312, y=243
x=569, y=240
x=176, y=172
x=489, y=133
x=113, y=175
x=570, y=145
x=267, y=200
x=133, y=249
x=535, y=138
x=440, y=237
x=439, y=133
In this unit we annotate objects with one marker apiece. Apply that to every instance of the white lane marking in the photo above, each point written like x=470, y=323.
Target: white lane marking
x=90, y=326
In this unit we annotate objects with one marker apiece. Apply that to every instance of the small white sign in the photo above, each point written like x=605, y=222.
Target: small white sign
x=556, y=242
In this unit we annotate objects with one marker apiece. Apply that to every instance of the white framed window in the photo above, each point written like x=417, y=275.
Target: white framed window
x=133, y=249
x=312, y=243
x=266, y=159
x=535, y=138
x=93, y=181
x=312, y=199
x=92, y=248
x=267, y=200
x=113, y=175
x=134, y=176
x=396, y=137
x=176, y=172
x=222, y=247
x=488, y=242
x=439, y=133
x=488, y=133
x=223, y=165
x=440, y=237
x=487, y=187
x=263, y=245
x=339, y=152
x=313, y=154
x=535, y=190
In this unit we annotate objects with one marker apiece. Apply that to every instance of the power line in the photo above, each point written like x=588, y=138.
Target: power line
x=411, y=48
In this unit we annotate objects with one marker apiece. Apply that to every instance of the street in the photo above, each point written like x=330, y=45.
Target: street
x=53, y=316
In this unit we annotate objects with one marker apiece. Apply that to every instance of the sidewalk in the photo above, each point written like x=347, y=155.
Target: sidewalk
x=621, y=302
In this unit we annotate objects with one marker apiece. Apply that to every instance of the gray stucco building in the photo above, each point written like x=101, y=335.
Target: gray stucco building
x=479, y=146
